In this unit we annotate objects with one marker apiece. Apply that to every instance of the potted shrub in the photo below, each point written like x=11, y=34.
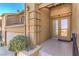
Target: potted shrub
x=19, y=43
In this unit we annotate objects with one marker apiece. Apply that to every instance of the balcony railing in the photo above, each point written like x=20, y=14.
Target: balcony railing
x=9, y=23
x=75, y=48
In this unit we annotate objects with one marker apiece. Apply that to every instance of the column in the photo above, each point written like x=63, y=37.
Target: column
x=75, y=21
x=3, y=30
x=33, y=23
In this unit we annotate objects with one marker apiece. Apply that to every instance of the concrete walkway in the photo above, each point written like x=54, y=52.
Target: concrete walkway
x=53, y=47
x=4, y=51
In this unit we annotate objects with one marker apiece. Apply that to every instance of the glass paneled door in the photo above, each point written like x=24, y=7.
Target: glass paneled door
x=55, y=28
x=65, y=28
x=61, y=28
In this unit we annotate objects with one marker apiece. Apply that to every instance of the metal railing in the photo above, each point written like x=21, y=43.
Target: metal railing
x=75, y=48
x=14, y=23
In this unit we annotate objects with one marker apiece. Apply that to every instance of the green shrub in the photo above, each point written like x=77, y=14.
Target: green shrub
x=19, y=43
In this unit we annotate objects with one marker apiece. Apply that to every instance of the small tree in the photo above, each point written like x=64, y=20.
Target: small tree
x=19, y=43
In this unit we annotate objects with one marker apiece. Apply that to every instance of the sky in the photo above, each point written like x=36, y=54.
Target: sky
x=10, y=7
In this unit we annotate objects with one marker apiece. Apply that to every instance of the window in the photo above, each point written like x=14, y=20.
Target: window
x=22, y=19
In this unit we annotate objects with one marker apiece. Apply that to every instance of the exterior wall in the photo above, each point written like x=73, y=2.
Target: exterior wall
x=31, y=23
x=3, y=29
x=37, y=23
x=0, y=28
x=73, y=18
x=12, y=20
x=21, y=17
x=0, y=24
x=18, y=29
x=60, y=10
x=45, y=26
x=11, y=23
x=75, y=21
x=11, y=35
x=41, y=5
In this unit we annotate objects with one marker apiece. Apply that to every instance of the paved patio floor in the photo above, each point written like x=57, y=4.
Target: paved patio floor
x=53, y=47
x=4, y=51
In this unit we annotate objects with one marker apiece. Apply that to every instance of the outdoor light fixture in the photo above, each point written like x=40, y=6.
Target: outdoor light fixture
x=27, y=7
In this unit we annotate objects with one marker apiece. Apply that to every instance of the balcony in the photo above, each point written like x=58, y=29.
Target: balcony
x=10, y=23
x=12, y=20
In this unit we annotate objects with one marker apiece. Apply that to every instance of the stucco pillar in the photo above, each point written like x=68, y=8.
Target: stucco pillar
x=32, y=22
x=3, y=30
x=74, y=18
x=46, y=25
x=75, y=21
x=27, y=20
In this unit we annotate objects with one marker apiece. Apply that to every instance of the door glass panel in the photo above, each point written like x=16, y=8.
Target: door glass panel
x=64, y=27
x=55, y=27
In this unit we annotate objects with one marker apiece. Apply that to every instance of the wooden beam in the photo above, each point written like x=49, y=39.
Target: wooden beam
x=48, y=5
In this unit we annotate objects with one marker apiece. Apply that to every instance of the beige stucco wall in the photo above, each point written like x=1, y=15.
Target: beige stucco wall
x=74, y=16
x=3, y=29
x=60, y=10
x=15, y=28
x=0, y=24
x=31, y=22
x=45, y=31
x=41, y=5
x=12, y=19
x=21, y=16
x=37, y=23
x=75, y=21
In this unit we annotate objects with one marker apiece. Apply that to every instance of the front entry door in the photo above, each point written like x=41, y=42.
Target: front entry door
x=65, y=29
x=61, y=28
x=55, y=28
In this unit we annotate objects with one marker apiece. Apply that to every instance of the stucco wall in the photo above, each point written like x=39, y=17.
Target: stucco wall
x=21, y=17
x=12, y=19
x=20, y=28
x=75, y=21
x=61, y=9
x=45, y=32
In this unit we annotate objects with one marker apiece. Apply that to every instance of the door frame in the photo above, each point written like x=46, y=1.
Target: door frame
x=59, y=27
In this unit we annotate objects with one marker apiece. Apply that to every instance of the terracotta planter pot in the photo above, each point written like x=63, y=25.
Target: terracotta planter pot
x=16, y=53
